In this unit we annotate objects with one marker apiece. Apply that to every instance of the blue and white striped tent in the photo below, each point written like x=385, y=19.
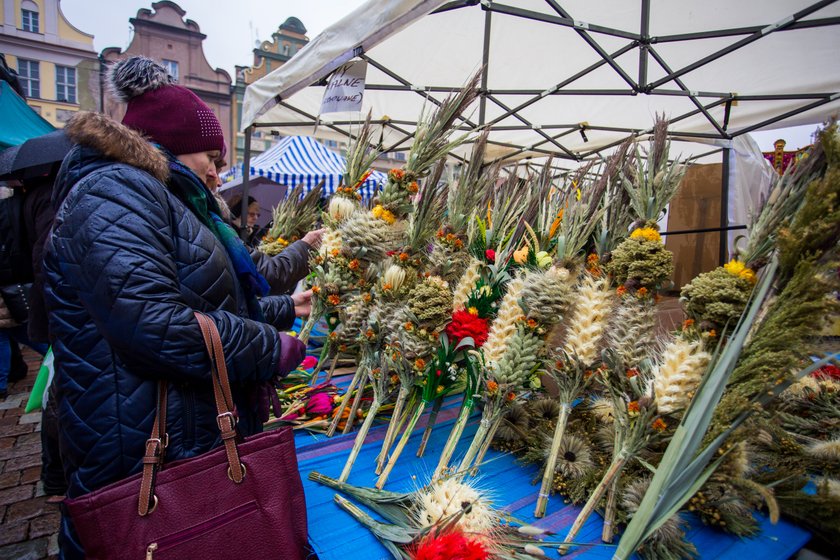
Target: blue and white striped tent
x=302, y=159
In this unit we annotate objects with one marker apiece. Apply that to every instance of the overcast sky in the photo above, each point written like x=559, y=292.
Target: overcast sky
x=233, y=30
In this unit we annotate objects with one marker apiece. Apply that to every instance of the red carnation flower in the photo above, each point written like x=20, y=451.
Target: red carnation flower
x=828, y=371
x=491, y=255
x=450, y=546
x=464, y=324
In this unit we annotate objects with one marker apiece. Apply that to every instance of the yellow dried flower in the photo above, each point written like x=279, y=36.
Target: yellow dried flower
x=646, y=233
x=383, y=214
x=737, y=268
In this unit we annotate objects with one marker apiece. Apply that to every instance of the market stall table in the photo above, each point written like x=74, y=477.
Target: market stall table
x=336, y=535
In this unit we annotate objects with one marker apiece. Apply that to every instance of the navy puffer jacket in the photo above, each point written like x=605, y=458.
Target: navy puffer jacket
x=125, y=267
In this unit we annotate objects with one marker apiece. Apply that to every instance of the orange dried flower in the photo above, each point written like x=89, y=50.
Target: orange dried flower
x=713, y=333
x=333, y=299
x=687, y=323
x=333, y=336
x=342, y=348
x=354, y=264
x=370, y=334
x=395, y=378
x=408, y=326
x=532, y=324
x=632, y=372
x=335, y=252
x=316, y=290
x=386, y=286
x=404, y=257
x=492, y=387
x=510, y=396
x=659, y=425
x=413, y=187
x=396, y=174
x=592, y=259
x=420, y=364
x=621, y=290
x=366, y=298
x=459, y=244
x=633, y=407
x=642, y=292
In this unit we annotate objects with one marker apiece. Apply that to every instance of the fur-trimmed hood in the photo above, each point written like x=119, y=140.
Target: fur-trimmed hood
x=100, y=142
x=117, y=142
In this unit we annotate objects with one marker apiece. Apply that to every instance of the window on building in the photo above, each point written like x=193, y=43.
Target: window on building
x=29, y=17
x=171, y=67
x=30, y=77
x=65, y=84
x=286, y=50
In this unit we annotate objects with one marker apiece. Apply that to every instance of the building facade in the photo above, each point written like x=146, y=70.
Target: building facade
x=163, y=34
x=289, y=38
x=56, y=62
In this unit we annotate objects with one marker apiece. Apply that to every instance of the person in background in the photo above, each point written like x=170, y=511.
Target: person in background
x=137, y=247
x=38, y=215
x=284, y=270
x=255, y=232
x=15, y=271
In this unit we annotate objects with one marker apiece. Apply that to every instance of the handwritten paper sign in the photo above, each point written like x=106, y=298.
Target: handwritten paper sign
x=345, y=88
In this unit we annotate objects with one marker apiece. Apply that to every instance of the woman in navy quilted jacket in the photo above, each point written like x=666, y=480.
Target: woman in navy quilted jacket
x=137, y=246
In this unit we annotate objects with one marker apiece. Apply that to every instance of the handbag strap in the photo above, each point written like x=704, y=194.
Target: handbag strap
x=224, y=400
x=153, y=458
x=226, y=420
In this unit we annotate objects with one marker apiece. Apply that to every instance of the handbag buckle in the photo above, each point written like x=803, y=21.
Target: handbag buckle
x=154, y=446
x=231, y=418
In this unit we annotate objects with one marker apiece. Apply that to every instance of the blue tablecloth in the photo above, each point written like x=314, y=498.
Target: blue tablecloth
x=336, y=535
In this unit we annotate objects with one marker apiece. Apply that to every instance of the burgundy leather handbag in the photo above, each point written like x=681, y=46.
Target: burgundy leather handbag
x=240, y=500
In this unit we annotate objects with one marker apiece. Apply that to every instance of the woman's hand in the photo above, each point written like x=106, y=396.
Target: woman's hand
x=313, y=238
x=303, y=303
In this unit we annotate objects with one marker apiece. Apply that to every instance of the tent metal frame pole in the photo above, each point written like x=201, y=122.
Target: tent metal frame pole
x=405, y=82
x=711, y=105
x=806, y=24
x=789, y=114
x=455, y=5
x=485, y=67
x=448, y=89
x=246, y=184
x=580, y=30
x=683, y=87
x=542, y=133
x=563, y=21
x=743, y=42
x=535, y=148
x=644, y=44
x=724, y=210
x=561, y=85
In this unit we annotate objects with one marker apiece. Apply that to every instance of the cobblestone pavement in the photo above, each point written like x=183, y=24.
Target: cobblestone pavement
x=28, y=524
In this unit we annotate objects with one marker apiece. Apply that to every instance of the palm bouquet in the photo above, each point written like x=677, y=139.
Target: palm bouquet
x=340, y=270
x=762, y=355
x=449, y=519
x=493, y=240
x=291, y=219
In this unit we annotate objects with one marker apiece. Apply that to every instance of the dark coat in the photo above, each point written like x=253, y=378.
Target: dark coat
x=38, y=216
x=284, y=270
x=125, y=267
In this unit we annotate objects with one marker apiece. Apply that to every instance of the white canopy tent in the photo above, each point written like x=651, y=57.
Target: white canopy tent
x=555, y=68
x=570, y=78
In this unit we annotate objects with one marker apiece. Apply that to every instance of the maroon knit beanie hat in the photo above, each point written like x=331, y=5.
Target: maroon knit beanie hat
x=167, y=114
